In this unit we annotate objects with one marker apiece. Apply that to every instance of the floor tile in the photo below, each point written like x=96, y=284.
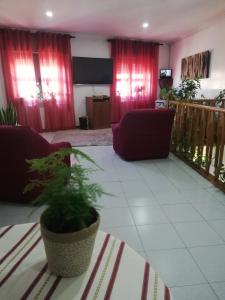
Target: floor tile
x=116, y=197
x=137, y=193
x=114, y=188
x=20, y=218
x=159, y=183
x=15, y=208
x=193, y=292
x=101, y=176
x=170, y=197
x=197, y=195
x=204, y=183
x=112, y=201
x=127, y=234
x=162, y=236
x=152, y=214
x=220, y=196
x=211, y=211
x=147, y=168
x=25, y=214
x=126, y=170
x=116, y=217
x=141, y=199
x=200, y=180
x=183, y=181
x=13, y=219
x=198, y=234
x=181, y=213
x=134, y=186
x=219, y=227
x=219, y=288
x=176, y=267
x=211, y=260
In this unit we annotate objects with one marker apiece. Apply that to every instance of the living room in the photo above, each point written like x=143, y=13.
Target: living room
x=167, y=207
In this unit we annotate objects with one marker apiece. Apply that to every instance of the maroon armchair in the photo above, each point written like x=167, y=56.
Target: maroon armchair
x=18, y=143
x=143, y=134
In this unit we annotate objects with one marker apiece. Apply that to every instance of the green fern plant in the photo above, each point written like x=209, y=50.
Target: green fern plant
x=67, y=194
x=8, y=115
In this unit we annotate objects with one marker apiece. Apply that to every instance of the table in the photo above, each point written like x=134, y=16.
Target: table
x=116, y=271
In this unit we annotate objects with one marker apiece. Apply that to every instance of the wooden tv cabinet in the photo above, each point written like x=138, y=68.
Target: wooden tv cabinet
x=98, y=112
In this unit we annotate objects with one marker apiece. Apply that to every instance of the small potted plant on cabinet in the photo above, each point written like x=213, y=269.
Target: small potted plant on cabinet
x=8, y=115
x=70, y=220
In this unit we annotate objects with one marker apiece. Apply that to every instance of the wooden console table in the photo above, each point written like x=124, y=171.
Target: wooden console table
x=98, y=112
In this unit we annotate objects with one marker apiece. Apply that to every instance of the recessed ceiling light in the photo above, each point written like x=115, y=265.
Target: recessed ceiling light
x=49, y=13
x=145, y=25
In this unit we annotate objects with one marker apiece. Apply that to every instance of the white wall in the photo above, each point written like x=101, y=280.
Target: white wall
x=97, y=46
x=2, y=88
x=164, y=59
x=88, y=46
x=213, y=39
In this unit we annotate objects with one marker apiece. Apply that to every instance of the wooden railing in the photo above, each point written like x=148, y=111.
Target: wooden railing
x=199, y=138
x=220, y=103
x=209, y=102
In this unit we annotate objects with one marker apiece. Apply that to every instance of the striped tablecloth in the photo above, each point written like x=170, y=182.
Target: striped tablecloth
x=116, y=271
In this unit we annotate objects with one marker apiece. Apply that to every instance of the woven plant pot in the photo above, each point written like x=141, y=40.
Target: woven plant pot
x=69, y=254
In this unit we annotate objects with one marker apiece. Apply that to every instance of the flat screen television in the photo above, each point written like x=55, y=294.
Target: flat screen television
x=88, y=70
x=164, y=73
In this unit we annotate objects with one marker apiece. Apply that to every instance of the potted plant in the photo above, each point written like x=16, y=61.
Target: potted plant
x=70, y=220
x=187, y=89
x=8, y=115
x=164, y=97
x=164, y=93
x=219, y=99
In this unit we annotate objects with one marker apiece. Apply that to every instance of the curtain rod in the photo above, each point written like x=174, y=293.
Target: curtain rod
x=154, y=43
x=36, y=30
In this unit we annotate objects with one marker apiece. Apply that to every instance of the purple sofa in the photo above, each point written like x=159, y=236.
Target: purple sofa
x=143, y=134
x=18, y=143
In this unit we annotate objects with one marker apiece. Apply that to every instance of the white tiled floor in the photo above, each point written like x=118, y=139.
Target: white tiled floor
x=166, y=212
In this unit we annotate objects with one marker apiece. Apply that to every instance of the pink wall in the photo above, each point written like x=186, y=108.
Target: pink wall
x=213, y=39
x=2, y=88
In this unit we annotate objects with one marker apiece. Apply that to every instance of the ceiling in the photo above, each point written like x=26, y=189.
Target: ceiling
x=169, y=20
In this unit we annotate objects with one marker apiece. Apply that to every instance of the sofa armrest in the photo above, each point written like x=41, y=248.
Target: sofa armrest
x=115, y=127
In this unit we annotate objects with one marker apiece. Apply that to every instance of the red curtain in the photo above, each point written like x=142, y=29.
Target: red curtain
x=134, y=76
x=56, y=80
x=19, y=74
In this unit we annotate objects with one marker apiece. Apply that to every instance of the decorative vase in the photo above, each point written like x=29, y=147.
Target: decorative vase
x=69, y=254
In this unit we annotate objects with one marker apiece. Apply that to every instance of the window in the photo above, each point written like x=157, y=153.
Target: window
x=50, y=82
x=37, y=82
x=25, y=78
x=130, y=84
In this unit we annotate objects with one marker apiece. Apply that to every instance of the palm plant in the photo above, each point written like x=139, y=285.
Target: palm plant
x=69, y=197
x=8, y=115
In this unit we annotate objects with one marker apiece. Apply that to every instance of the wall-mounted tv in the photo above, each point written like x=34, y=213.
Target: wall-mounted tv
x=164, y=73
x=88, y=70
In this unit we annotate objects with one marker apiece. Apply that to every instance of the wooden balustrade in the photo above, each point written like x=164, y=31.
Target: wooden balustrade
x=199, y=138
x=209, y=102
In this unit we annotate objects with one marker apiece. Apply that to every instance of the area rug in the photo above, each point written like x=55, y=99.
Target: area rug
x=78, y=137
